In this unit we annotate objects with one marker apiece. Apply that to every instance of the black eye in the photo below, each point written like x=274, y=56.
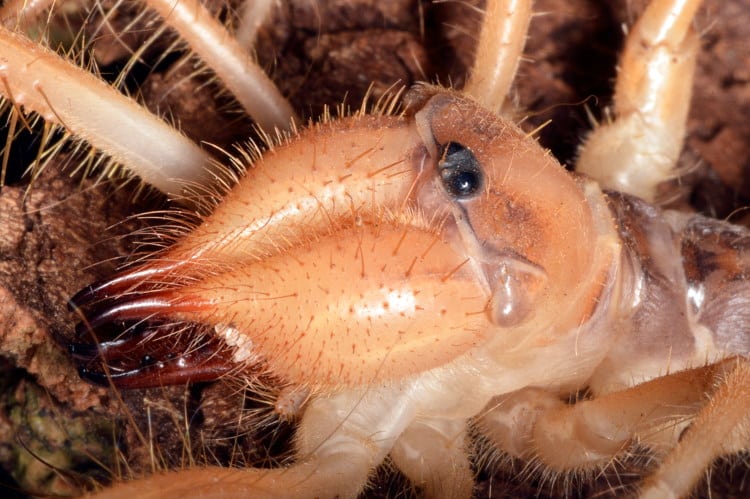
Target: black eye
x=460, y=171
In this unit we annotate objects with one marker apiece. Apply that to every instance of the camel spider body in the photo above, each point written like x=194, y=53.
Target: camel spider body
x=418, y=273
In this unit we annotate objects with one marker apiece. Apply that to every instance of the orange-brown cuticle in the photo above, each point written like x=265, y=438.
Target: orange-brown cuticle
x=372, y=324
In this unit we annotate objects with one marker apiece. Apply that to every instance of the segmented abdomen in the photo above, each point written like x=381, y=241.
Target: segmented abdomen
x=684, y=296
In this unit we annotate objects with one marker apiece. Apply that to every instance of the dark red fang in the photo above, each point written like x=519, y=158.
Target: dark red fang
x=203, y=364
x=148, y=356
x=145, y=353
x=140, y=308
x=118, y=285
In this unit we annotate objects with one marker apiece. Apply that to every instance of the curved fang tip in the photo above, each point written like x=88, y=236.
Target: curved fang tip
x=205, y=364
x=147, y=349
x=153, y=355
x=128, y=281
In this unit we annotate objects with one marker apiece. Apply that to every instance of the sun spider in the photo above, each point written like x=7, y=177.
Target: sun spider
x=517, y=274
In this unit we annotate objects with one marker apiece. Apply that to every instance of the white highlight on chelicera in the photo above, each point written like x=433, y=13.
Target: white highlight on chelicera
x=397, y=301
x=244, y=349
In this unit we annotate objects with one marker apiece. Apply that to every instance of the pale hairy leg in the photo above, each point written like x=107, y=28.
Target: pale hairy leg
x=498, y=53
x=116, y=125
x=253, y=14
x=638, y=150
x=36, y=79
x=340, y=440
x=508, y=421
x=432, y=453
x=707, y=438
x=534, y=423
x=247, y=81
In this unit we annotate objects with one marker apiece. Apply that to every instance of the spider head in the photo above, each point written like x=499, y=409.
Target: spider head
x=364, y=250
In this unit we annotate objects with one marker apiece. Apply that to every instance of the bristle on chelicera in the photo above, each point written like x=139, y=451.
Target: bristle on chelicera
x=233, y=165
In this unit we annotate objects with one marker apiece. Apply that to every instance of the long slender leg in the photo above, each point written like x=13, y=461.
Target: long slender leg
x=639, y=149
x=340, y=440
x=432, y=454
x=110, y=122
x=590, y=433
x=708, y=437
x=253, y=14
x=509, y=420
x=249, y=84
x=304, y=480
x=499, y=50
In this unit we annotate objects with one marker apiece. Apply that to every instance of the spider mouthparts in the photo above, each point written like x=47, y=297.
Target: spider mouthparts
x=120, y=284
x=153, y=355
x=143, y=308
x=132, y=342
x=180, y=370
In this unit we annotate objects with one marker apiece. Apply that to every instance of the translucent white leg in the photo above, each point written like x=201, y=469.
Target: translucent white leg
x=433, y=455
x=340, y=440
x=534, y=423
x=109, y=121
x=639, y=149
x=501, y=43
x=253, y=14
x=249, y=84
x=711, y=435
x=509, y=420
